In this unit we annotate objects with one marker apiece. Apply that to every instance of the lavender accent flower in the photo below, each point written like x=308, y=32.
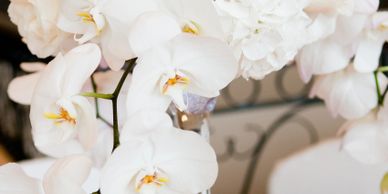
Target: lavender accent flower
x=198, y=104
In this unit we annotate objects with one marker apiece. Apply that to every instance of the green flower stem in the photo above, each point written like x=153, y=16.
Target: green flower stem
x=116, y=133
x=380, y=97
x=114, y=98
x=97, y=95
x=96, y=102
x=383, y=69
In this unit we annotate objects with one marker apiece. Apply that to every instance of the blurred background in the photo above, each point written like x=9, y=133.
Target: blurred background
x=256, y=124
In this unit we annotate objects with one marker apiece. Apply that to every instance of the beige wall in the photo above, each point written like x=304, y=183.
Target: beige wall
x=290, y=138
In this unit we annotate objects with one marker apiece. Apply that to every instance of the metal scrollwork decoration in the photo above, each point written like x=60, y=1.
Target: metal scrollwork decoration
x=299, y=102
x=290, y=116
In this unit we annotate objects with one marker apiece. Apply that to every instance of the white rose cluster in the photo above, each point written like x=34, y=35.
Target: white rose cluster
x=120, y=65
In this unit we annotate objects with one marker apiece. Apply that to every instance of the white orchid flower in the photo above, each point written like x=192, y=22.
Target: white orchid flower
x=62, y=121
x=36, y=22
x=366, y=6
x=366, y=139
x=66, y=175
x=334, y=52
x=104, y=22
x=322, y=57
x=324, y=14
x=172, y=18
x=191, y=64
x=348, y=93
x=186, y=14
x=22, y=88
x=175, y=162
x=371, y=45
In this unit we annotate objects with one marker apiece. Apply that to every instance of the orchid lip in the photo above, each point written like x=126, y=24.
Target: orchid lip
x=151, y=179
x=383, y=27
x=86, y=17
x=91, y=18
x=62, y=116
x=174, y=81
x=192, y=27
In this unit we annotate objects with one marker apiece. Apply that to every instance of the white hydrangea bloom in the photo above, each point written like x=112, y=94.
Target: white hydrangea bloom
x=36, y=21
x=265, y=34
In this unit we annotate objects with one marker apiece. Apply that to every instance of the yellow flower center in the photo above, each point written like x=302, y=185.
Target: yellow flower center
x=173, y=81
x=151, y=179
x=383, y=27
x=86, y=17
x=62, y=116
x=192, y=28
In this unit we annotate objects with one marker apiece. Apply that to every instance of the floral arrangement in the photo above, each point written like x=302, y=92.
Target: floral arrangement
x=121, y=69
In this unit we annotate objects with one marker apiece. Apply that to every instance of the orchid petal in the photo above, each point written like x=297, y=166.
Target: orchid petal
x=366, y=6
x=187, y=11
x=87, y=122
x=102, y=149
x=115, y=50
x=196, y=54
x=145, y=122
x=366, y=139
x=126, y=11
x=151, y=29
x=143, y=91
x=33, y=67
x=368, y=55
x=13, y=180
x=81, y=62
x=348, y=93
x=21, y=89
x=67, y=175
x=176, y=94
x=194, y=152
x=321, y=58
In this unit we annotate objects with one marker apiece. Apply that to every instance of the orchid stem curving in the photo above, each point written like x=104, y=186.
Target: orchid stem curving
x=130, y=64
x=383, y=69
x=116, y=133
x=95, y=89
x=97, y=95
x=380, y=97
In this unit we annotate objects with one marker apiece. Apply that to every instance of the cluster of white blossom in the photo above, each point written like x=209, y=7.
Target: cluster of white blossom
x=180, y=48
x=350, y=80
